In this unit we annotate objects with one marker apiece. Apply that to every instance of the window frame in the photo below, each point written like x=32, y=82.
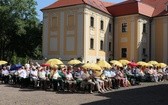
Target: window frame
x=91, y=21
x=102, y=25
x=101, y=44
x=109, y=46
x=110, y=26
x=91, y=43
x=124, y=52
x=144, y=28
x=124, y=27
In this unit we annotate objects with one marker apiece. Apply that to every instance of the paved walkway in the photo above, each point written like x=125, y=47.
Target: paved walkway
x=145, y=94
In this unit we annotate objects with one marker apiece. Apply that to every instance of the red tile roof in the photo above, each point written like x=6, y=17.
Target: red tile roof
x=98, y=4
x=63, y=3
x=159, y=5
x=149, y=8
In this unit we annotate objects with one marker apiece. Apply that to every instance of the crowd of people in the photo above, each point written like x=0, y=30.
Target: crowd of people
x=77, y=79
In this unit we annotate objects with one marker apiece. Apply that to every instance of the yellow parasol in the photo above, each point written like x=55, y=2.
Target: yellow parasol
x=53, y=62
x=104, y=64
x=124, y=61
x=74, y=62
x=141, y=63
x=118, y=64
x=114, y=61
x=92, y=66
x=3, y=62
x=153, y=62
x=162, y=65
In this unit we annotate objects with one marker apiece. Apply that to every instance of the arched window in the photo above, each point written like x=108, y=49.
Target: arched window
x=91, y=43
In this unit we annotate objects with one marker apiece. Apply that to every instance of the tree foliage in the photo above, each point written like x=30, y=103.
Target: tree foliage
x=20, y=32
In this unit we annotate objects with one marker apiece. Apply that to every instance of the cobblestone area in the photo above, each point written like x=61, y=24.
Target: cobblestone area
x=144, y=94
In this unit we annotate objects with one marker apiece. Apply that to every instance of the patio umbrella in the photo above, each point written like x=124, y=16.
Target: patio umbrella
x=118, y=64
x=15, y=67
x=92, y=66
x=3, y=62
x=53, y=62
x=114, y=61
x=104, y=64
x=162, y=65
x=153, y=62
x=45, y=64
x=141, y=63
x=132, y=64
x=74, y=62
x=149, y=65
x=124, y=61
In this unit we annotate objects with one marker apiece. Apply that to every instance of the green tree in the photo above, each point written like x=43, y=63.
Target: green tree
x=20, y=30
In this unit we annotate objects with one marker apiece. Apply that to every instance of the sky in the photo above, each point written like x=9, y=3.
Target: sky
x=43, y=3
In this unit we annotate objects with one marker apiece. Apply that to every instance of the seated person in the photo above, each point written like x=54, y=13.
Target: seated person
x=69, y=80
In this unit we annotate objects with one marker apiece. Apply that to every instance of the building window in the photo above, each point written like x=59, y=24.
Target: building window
x=91, y=43
x=101, y=24
x=92, y=21
x=109, y=46
x=166, y=7
x=109, y=27
x=71, y=21
x=124, y=27
x=101, y=45
x=54, y=23
x=144, y=28
x=124, y=52
x=143, y=51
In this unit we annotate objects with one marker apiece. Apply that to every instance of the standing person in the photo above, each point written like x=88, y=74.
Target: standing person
x=5, y=75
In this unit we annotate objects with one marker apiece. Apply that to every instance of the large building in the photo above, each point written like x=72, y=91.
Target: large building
x=93, y=30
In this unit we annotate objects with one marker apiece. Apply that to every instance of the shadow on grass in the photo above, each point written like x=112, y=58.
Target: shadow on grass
x=151, y=95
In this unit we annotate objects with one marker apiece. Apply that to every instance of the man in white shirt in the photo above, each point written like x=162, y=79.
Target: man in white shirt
x=5, y=75
x=22, y=76
x=34, y=76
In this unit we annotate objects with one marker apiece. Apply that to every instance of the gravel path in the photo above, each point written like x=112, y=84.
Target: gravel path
x=145, y=94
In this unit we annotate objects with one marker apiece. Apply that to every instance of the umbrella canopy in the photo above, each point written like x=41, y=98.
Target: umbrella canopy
x=104, y=64
x=113, y=61
x=92, y=66
x=3, y=62
x=141, y=63
x=118, y=64
x=149, y=65
x=162, y=65
x=15, y=67
x=153, y=62
x=132, y=64
x=53, y=62
x=74, y=62
x=124, y=61
x=45, y=64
